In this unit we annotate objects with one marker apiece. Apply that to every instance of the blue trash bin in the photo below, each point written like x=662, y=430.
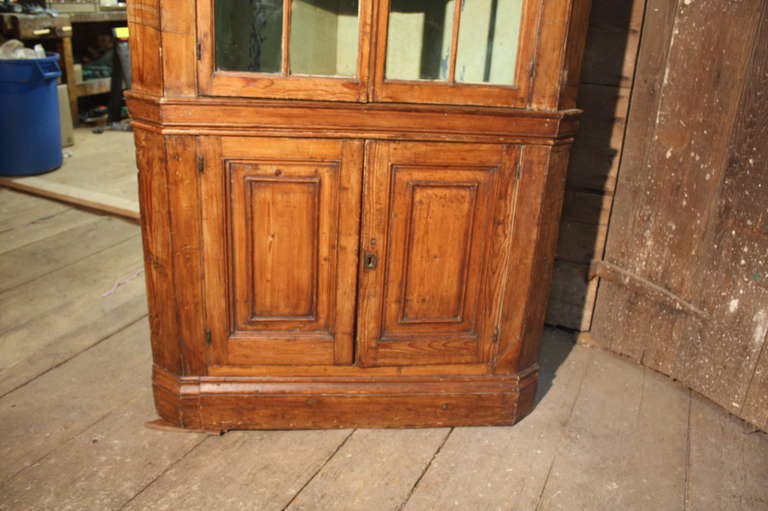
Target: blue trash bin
x=30, y=134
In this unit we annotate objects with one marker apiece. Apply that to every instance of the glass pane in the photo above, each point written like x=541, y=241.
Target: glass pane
x=419, y=39
x=489, y=36
x=324, y=37
x=249, y=35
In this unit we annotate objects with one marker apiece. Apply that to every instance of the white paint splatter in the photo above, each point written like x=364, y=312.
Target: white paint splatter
x=733, y=305
x=761, y=328
x=669, y=153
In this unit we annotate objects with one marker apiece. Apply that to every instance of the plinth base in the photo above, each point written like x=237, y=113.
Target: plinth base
x=223, y=403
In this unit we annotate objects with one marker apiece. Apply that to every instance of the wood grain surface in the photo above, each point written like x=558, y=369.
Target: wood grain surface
x=605, y=432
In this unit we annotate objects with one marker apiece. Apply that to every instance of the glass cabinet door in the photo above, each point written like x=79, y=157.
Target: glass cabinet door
x=296, y=49
x=454, y=51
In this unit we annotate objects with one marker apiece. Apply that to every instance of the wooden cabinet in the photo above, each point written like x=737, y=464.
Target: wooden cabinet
x=345, y=227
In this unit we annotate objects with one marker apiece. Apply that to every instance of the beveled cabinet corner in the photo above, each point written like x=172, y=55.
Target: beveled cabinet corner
x=350, y=207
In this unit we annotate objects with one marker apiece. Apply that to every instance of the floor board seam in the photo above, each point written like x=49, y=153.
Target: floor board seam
x=322, y=466
x=52, y=449
x=563, y=428
x=424, y=471
x=37, y=220
x=94, y=220
x=687, y=464
x=163, y=472
x=75, y=355
x=38, y=277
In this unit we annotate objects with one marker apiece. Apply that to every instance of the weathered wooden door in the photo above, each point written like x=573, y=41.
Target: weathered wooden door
x=435, y=221
x=281, y=249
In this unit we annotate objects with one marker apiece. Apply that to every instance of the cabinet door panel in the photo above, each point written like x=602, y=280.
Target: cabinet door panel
x=281, y=220
x=290, y=228
x=431, y=214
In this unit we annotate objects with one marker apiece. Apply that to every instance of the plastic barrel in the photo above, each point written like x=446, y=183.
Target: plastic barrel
x=30, y=135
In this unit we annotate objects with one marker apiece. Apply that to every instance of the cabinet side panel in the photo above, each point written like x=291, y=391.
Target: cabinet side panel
x=535, y=232
x=577, y=41
x=184, y=200
x=179, y=48
x=550, y=54
x=146, y=65
x=158, y=252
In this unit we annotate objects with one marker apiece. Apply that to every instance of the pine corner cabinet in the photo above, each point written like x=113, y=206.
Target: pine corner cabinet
x=350, y=207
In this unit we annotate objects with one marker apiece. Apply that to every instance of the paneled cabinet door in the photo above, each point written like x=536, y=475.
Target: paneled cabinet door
x=435, y=230
x=281, y=229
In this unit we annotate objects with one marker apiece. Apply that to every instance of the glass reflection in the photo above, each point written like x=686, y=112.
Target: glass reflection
x=489, y=36
x=419, y=39
x=249, y=35
x=324, y=35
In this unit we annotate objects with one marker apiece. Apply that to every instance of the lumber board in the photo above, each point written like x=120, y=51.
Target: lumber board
x=45, y=225
x=71, y=398
x=374, y=469
x=581, y=242
x=599, y=144
x=19, y=211
x=572, y=296
x=612, y=41
x=93, y=275
x=728, y=466
x=627, y=421
x=75, y=195
x=607, y=79
x=103, y=163
x=242, y=470
x=506, y=468
x=103, y=467
x=45, y=256
x=48, y=320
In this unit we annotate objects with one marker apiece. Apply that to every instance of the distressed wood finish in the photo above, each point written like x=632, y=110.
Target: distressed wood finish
x=430, y=220
x=331, y=252
x=693, y=261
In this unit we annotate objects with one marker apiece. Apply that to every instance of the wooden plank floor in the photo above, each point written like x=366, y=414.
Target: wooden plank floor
x=75, y=386
x=99, y=172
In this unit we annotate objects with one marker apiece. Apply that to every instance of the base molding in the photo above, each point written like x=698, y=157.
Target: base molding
x=223, y=403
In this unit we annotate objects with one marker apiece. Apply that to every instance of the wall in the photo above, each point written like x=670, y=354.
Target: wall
x=684, y=285
x=606, y=83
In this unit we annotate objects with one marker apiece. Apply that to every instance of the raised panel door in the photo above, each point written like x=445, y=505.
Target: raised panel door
x=435, y=225
x=281, y=249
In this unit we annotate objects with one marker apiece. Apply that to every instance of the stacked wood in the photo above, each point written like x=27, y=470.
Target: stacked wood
x=606, y=83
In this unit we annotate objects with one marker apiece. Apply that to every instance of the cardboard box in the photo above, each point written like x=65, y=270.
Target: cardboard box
x=65, y=116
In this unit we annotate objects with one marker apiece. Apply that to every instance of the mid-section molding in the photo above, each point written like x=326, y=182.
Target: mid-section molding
x=222, y=403
x=378, y=121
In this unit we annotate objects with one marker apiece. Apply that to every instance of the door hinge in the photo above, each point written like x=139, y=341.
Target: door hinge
x=518, y=172
x=208, y=336
x=199, y=50
x=200, y=163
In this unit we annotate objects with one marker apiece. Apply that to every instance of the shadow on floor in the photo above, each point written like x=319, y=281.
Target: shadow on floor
x=556, y=345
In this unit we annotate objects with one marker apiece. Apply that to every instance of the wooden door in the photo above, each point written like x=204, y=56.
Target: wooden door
x=281, y=225
x=436, y=217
